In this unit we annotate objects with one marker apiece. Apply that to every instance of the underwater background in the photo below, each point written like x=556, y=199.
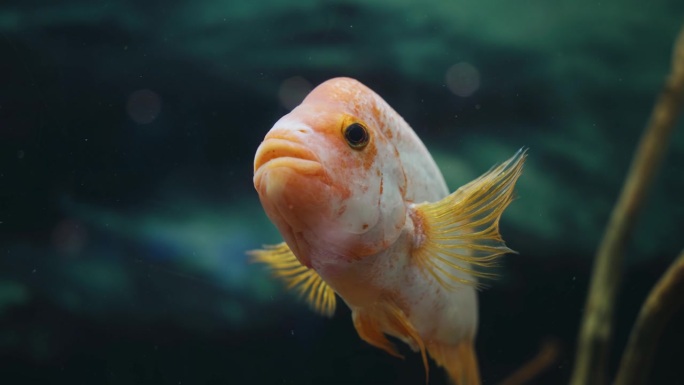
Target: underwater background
x=127, y=136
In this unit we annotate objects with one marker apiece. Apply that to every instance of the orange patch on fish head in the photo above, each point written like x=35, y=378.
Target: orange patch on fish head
x=329, y=177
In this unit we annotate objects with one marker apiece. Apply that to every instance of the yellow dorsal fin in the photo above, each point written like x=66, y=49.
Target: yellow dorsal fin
x=462, y=229
x=305, y=281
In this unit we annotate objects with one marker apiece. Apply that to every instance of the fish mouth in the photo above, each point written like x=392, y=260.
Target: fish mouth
x=276, y=152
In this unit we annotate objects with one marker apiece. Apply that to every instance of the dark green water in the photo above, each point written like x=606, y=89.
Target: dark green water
x=128, y=131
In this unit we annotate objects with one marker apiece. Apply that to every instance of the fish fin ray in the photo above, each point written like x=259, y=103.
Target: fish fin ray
x=306, y=282
x=459, y=361
x=369, y=331
x=401, y=325
x=461, y=231
x=385, y=317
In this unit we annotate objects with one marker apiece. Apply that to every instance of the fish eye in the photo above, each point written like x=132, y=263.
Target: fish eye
x=356, y=135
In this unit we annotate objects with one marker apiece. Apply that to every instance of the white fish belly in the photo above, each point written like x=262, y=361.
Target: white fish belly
x=438, y=314
x=442, y=315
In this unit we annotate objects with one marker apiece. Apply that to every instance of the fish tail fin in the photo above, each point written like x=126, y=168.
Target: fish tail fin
x=458, y=360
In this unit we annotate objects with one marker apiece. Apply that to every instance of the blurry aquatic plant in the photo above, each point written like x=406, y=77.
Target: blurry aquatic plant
x=663, y=300
x=596, y=330
x=548, y=354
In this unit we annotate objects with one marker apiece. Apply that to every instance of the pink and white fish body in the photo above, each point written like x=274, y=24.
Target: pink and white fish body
x=366, y=213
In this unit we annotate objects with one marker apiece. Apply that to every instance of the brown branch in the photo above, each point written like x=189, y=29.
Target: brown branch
x=548, y=354
x=596, y=331
x=661, y=303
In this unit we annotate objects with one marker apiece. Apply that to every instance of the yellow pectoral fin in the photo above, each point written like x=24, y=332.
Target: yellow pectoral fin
x=305, y=281
x=462, y=230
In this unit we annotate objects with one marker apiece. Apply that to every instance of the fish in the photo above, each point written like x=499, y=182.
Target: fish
x=366, y=216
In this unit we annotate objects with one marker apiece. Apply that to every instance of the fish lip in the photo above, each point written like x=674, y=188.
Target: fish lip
x=299, y=166
x=276, y=152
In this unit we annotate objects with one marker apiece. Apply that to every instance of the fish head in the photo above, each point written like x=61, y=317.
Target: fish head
x=329, y=176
